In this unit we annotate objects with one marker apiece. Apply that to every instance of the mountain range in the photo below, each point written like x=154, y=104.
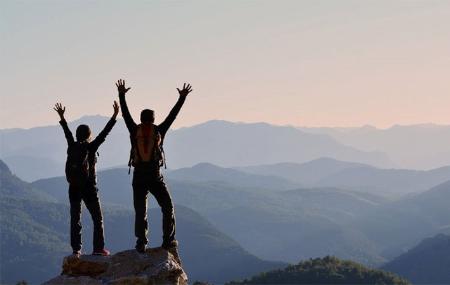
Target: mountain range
x=328, y=172
x=426, y=263
x=256, y=216
x=34, y=230
x=422, y=146
x=297, y=223
x=314, y=221
x=41, y=152
x=401, y=224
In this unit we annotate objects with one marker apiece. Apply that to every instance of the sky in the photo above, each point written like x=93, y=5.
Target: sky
x=303, y=63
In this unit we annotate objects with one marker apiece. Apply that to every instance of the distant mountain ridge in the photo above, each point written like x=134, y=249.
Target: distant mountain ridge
x=427, y=263
x=40, y=152
x=309, y=173
x=420, y=146
x=207, y=172
x=401, y=224
x=328, y=172
x=258, y=143
x=12, y=186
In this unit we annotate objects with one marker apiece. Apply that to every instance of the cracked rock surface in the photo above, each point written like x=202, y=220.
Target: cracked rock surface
x=155, y=266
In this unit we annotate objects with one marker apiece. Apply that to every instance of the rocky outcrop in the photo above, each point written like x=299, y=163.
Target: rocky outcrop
x=156, y=266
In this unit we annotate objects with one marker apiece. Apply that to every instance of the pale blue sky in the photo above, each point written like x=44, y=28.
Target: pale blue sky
x=308, y=63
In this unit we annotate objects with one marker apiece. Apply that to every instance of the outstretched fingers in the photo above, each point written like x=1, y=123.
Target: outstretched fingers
x=121, y=86
x=59, y=109
x=187, y=88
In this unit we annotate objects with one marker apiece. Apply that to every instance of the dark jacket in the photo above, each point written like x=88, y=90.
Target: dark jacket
x=161, y=128
x=91, y=146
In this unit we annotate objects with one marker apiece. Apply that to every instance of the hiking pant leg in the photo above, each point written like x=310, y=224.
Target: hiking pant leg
x=140, y=192
x=161, y=192
x=75, y=218
x=92, y=203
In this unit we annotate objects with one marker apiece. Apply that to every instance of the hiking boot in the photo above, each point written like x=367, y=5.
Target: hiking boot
x=102, y=252
x=172, y=247
x=140, y=248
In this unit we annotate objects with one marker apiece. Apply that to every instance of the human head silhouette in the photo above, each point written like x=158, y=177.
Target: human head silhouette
x=147, y=116
x=83, y=133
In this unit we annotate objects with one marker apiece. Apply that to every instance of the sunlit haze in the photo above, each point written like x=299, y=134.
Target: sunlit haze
x=303, y=63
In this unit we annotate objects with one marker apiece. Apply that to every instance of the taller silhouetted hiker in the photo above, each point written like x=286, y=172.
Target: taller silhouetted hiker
x=147, y=157
x=81, y=175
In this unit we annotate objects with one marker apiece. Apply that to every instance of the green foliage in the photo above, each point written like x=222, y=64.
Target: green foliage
x=32, y=233
x=327, y=270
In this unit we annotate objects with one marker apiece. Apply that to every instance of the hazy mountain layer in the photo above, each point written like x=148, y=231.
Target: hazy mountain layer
x=297, y=224
x=400, y=225
x=422, y=146
x=427, y=263
x=327, y=172
x=40, y=152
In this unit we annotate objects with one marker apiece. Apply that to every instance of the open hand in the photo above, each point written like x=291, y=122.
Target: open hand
x=60, y=109
x=186, y=90
x=116, y=109
x=121, y=86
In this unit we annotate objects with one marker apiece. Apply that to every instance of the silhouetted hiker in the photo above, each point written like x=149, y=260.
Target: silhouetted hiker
x=147, y=157
x=81, y=175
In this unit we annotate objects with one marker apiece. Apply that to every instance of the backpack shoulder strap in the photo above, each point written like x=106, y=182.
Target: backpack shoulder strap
x=161, y=148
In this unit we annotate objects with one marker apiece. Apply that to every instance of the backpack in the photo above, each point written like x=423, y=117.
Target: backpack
x=146, y=147
x=77, y=164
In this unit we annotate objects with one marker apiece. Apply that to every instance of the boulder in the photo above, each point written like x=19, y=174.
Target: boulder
x=155, y=266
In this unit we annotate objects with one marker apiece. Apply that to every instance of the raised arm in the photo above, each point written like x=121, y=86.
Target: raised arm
x=129, y=122
x=107, y=129
x=165, y=125
x=67, y=133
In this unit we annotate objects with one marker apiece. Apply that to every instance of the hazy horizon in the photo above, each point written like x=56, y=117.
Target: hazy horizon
x=424, y=124
x=301, y=63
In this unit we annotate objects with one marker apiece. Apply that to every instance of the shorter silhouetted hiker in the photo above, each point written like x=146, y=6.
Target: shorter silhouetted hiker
x=81, y=175
x=147, y=157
